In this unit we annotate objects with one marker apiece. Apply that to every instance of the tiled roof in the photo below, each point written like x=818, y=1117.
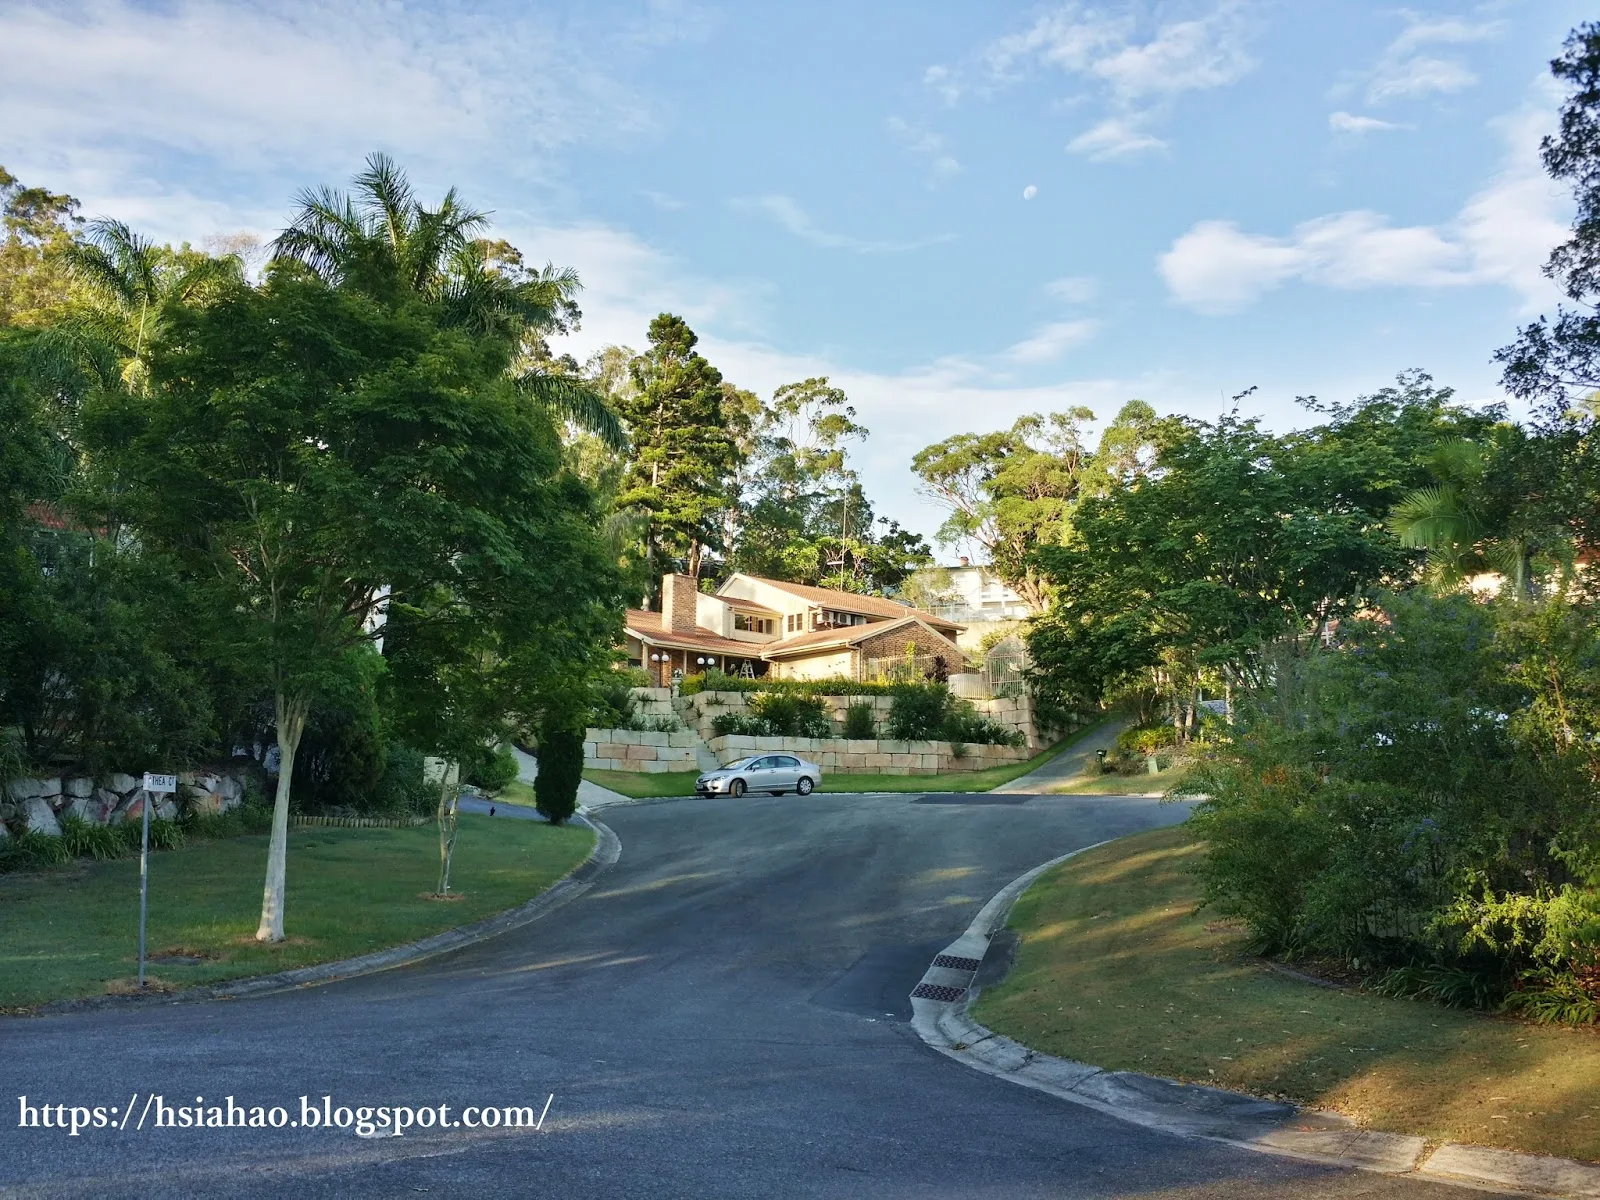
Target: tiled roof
x=876, y=606
x=749, y=606
x=647, y=627
x=825, y=638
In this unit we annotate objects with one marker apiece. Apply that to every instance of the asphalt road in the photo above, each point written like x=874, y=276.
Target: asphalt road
x=723, y=1014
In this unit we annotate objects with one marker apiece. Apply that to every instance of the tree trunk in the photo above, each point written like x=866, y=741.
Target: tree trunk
x=290, y=713
x=449, y=800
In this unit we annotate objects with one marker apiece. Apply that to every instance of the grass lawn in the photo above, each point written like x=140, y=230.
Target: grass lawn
x=515, y=792
x=71, y=931
x=1121, y=785
x=1115, y=968
x=681, y=783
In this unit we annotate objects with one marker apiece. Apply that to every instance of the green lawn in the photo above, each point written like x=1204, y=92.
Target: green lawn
x=1116, y=968
x=1121, y=785
x=681, y=783
x=72, y=931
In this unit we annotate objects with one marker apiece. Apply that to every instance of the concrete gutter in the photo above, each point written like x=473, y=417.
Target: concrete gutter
x=940, y=1016
x=607, y=850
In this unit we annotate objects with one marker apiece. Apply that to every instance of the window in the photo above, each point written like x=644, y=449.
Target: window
x=829, y=618
x=751, y=624
x=793, y=622
x=786, y=761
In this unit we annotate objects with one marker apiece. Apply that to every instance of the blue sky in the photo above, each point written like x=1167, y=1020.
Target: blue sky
x=960, y=212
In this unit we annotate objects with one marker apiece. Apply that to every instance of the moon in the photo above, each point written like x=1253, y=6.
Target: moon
x=1029, y=192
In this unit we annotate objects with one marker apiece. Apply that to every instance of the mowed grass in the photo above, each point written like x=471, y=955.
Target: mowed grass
x=1115, y=968
x=73, y=931
x=681, y=783
x=1121, y=785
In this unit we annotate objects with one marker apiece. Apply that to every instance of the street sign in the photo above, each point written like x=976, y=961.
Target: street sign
x=154, y=785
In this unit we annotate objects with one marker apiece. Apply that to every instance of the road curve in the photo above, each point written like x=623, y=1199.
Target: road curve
x=723, y=1014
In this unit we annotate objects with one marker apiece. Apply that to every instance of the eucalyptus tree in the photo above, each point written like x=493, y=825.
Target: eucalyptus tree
x=380, y=239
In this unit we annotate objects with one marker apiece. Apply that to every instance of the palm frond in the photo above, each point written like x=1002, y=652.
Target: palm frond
x=387, y=196
x=572, y=400
x=1433, y=518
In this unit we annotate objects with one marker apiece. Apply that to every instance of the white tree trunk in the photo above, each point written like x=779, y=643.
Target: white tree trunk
x=291, y=721
x=449, y=801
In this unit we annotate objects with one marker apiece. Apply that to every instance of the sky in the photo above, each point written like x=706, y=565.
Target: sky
x=960, y=213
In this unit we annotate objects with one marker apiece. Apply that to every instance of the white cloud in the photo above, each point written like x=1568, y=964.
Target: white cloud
x=788, y=213
x=1406, y=69
x=1049, y=342
x=1115, y=137
x=248, y=88
x=1138, y=70
x=1074, y=289
x=927, y=145
x=1343, y=122
x=1500, y=236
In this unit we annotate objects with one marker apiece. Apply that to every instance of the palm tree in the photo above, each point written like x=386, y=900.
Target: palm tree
x=380, y=239
x=1452, y=521
x=133, y=287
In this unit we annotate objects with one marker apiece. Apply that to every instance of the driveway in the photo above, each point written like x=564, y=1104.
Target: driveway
x=723, y=1014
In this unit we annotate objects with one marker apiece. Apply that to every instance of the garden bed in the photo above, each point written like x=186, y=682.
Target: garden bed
x=1116, y=968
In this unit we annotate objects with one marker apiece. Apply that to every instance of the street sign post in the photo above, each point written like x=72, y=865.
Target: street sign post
x=154, y=785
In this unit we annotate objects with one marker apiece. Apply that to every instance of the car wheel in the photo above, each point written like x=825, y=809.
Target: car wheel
x=804, y=786
x=736, y=788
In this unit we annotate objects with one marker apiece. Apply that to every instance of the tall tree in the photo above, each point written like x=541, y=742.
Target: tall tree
x=1010, y=491
x=381, y=240
x=684, y=454
x=39, y=226
x=309, y=449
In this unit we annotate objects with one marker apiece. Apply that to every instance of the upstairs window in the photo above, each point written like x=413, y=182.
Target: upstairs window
x=750, y=624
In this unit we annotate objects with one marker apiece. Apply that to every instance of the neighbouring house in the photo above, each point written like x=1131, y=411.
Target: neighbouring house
x=974, y=597
x=755, y=627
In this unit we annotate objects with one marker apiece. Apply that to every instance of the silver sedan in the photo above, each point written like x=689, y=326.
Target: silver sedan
x=775, y=773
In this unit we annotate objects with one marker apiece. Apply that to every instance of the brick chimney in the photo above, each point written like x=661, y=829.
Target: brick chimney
x=679, y=600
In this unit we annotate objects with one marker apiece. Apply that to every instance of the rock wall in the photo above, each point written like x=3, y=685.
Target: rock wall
x=636, y=750
x=41, y=804
x=881, y=757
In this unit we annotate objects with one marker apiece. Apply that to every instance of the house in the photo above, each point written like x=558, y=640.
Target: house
x=754, y=627
x=975, y=597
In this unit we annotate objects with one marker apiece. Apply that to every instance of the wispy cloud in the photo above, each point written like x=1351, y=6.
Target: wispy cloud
x=1049, y=342
x=1411, y=66
x=1074, y=289
x=1343, y=122
x=250, y=87
x=927, y=145
x=1137, y=70
x=789, y=215
x=1502, y=235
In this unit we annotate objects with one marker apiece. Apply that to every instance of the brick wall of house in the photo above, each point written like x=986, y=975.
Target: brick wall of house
x=679, y=601
x=894, y=643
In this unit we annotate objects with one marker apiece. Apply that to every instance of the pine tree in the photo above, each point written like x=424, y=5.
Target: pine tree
x=684, y=453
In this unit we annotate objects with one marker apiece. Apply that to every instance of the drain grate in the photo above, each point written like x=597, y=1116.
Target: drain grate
x=937, y=991
x=956, y=963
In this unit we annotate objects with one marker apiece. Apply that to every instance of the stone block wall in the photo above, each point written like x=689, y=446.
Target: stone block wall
x=636, y=750
x=882, y=757
x=41, y=804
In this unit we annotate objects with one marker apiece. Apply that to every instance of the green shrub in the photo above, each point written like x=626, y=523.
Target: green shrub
x=918, y=712
x=788, y=714
x=716, y=681
x=861, y=722
x=1147, y=739
x=84, y=839
x=30, y=850
x=555, y=788
x=636, y=677
x=404, y=789
x=1417, y=803
x=495, y=771
x=740, y=725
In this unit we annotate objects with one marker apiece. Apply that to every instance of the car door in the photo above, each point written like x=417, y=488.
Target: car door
x=785, y=772
x=758, y=775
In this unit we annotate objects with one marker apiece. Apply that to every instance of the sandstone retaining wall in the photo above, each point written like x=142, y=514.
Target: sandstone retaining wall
x=41, y=804
x=881, y=757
